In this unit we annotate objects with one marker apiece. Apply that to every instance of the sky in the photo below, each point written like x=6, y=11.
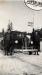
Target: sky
x=20, y=15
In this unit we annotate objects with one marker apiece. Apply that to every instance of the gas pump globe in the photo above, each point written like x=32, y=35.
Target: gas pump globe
x=34, y=4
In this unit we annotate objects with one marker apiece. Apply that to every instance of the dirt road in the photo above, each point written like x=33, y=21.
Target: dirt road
x=20, y=64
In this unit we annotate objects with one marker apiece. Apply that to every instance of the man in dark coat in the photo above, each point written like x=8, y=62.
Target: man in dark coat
x=6, y=43
x=36, y=40
x=33, y=37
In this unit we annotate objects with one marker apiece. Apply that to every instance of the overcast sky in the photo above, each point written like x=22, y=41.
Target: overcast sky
x=11, y=0
x=20, y=15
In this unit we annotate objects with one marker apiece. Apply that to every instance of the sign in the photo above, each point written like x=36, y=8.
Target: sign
x=34, y=4
x=30, y=23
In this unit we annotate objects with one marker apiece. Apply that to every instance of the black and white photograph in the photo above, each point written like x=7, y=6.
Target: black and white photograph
x=20, y=37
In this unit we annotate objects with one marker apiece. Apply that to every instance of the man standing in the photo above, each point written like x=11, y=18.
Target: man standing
x=36, y=41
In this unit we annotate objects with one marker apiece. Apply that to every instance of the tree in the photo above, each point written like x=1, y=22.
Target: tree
x=10, y=26
x=3, y=32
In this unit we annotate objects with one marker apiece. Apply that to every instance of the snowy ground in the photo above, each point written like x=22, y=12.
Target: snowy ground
x=20, y=64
